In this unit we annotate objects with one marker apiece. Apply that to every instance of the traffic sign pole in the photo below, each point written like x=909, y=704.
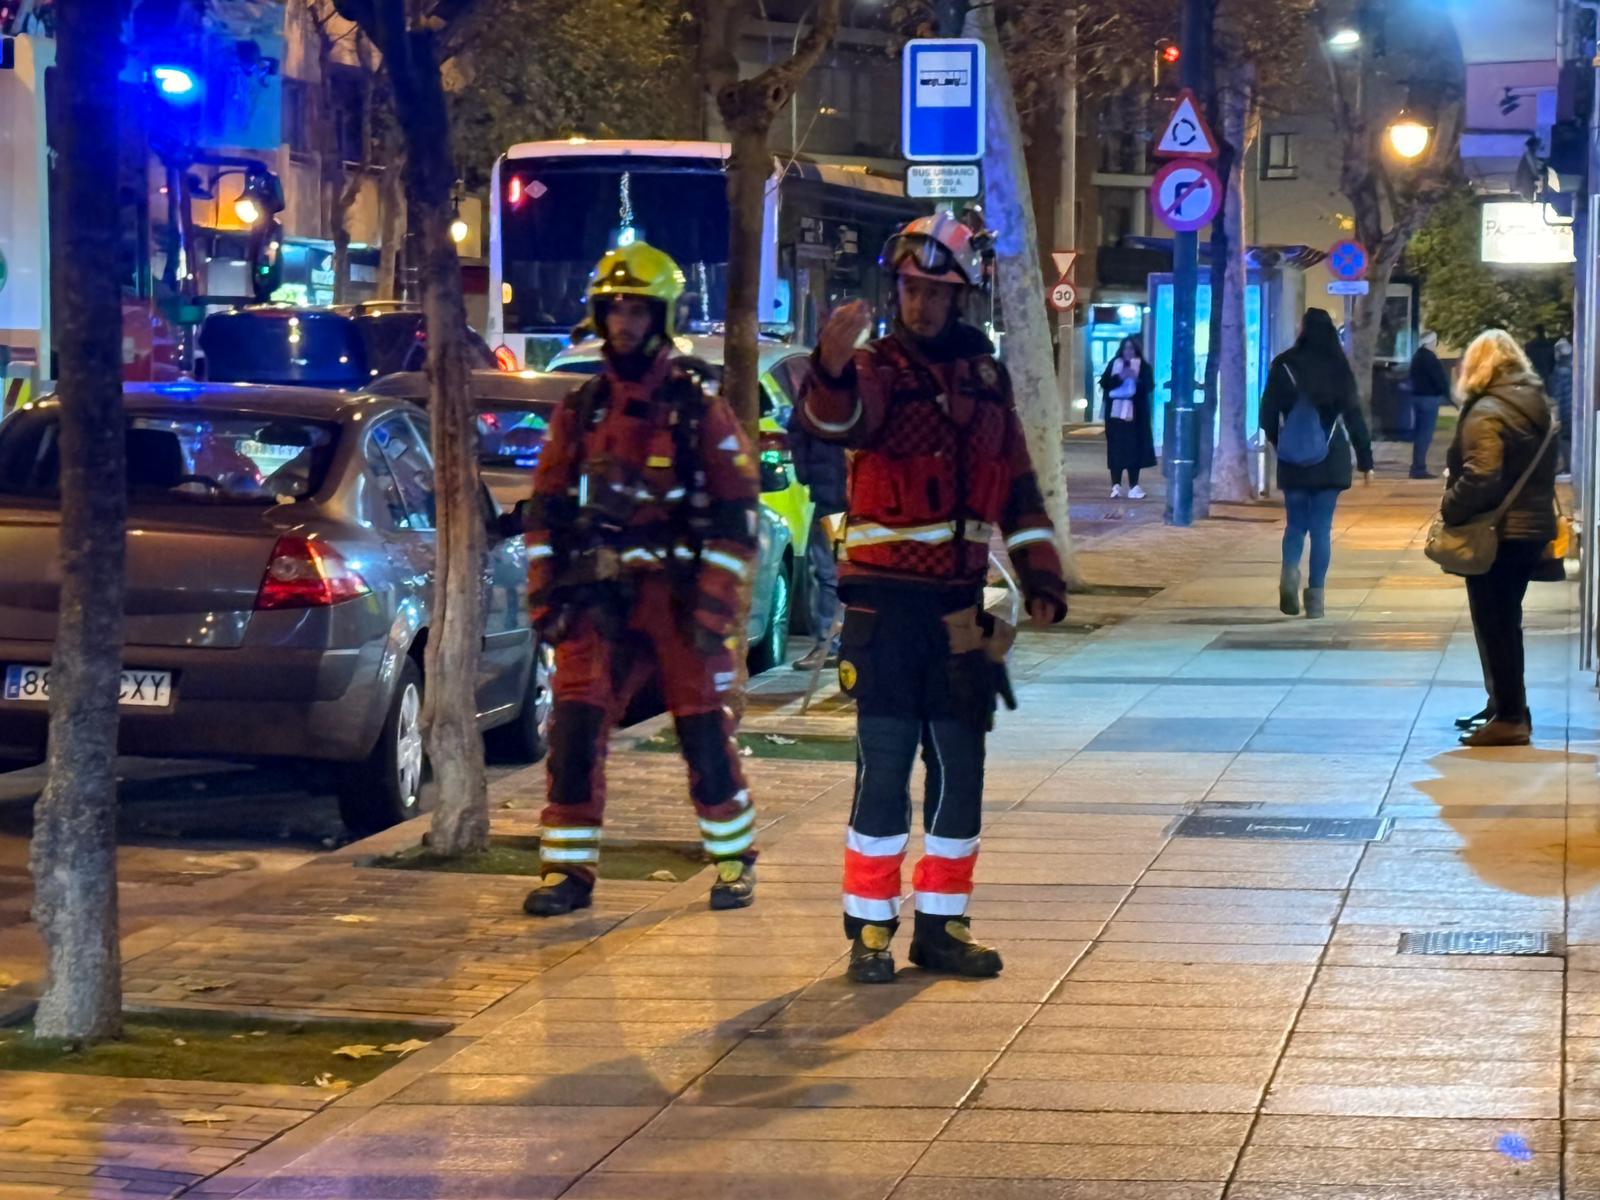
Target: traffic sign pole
x=1185, y=277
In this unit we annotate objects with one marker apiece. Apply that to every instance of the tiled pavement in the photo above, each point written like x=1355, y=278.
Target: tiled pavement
x=1179, y=1019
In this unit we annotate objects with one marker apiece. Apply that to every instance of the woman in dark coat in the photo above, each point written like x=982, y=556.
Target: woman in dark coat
x=1505, y=419
x=1314, y=367
x=1127, y=385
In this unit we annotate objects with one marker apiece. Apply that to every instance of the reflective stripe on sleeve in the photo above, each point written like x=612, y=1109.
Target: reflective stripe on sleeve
x=734, y=566
x=1027, y=537
x=832, y=426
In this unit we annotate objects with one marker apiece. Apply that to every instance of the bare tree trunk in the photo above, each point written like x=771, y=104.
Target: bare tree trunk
x=455, y=640
x=1028, y=351
x=74, y=850
x=750, y=167
x=392, y=224
x=1230, y=465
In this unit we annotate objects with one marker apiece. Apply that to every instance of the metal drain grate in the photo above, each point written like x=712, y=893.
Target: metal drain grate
x=1489, y=943
x=1287, y=829
x=1395, y=641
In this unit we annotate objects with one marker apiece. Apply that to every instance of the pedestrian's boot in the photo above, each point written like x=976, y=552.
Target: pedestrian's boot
x=1289, y=592
x=735, y=886
x=1496, y=732
x=946, y=945
x=1314, y=603
x=558, y=894
x=820, y=656
x=1482, y=717
x=870, y=960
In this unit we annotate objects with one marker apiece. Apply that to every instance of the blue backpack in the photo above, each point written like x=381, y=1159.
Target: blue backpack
x=1302, y=441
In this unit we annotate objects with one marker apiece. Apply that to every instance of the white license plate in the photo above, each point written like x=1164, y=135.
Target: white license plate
x=140, y=689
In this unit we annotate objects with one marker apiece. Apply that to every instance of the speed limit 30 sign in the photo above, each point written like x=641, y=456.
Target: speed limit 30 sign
x=1063, y=296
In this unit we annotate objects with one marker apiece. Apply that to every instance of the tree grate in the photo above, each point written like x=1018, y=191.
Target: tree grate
x=1495, y=943
x=1287, y=829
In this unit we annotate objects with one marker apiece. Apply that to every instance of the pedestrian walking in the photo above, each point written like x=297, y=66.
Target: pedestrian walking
x=640, y=534
x=1127, y=386
x=1501, y=462
x=820, y=466
x=1312, y=414
x=1430, y=390
x=939, y=463
x=1561, y=397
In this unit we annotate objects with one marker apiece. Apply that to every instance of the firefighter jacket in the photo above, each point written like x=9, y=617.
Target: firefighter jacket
x=647, y=476
x=941, y=463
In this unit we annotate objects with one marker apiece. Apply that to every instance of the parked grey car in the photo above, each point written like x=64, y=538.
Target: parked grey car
x=513, y=414
x=279, y=572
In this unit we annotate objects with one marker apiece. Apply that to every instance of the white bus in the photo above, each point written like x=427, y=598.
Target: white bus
x=556, y=207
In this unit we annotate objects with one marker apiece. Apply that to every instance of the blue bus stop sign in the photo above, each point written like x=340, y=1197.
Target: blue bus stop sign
x=942, y=89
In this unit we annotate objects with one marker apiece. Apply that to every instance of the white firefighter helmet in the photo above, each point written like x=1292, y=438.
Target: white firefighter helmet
x=939, y=247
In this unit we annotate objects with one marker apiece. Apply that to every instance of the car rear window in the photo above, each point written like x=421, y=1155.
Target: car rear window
x=315, y=349
x=205, y=458
x=394, y=342
x=511, y=437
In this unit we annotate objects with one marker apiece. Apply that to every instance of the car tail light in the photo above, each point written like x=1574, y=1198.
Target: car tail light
x=774, y=446
x=304, y=573
x=505, y=358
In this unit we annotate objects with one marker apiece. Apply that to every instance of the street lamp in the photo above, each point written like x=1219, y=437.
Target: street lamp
x=458, y=229
x=1346, y=38
x=1408, y=137
x=247, y=210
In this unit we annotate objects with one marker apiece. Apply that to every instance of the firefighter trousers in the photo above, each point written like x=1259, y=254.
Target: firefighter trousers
x=895, y=661
x=595, y=679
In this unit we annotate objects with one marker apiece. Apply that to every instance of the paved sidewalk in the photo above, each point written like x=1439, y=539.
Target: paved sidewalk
x=1180, y=1019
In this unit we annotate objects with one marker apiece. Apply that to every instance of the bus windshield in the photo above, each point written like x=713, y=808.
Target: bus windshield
x=559, y=215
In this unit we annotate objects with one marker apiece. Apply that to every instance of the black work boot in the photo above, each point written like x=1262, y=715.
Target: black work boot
x=558, y=894
x=870, y=960
x=945, y=944
x=735, y=886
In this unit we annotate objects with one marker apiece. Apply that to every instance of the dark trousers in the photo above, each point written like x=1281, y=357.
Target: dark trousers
x=1495, y=600
x=1424, y=420
x=1310, y=514
x=895, y=662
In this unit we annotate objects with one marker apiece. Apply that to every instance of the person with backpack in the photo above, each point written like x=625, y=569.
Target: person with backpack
x=1311, y=413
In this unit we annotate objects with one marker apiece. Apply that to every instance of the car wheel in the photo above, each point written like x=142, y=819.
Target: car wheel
x=525, y=739
x=769, y=651
x=386, y=788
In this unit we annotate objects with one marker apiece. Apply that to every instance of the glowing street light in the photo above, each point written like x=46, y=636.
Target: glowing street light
x=1409, y=137
x=247, y=210
x=458, y=230
x=1346, y=38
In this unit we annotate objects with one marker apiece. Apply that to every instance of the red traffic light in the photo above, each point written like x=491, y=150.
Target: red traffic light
x=1170, y=53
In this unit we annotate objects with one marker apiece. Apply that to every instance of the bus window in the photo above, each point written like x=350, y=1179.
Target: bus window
x=572, y=210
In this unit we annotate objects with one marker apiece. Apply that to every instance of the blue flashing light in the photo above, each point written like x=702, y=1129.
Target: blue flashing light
x=175, y=83
x=627, y=235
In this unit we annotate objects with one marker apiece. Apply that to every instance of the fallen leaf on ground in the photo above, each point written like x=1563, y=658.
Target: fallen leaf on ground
x=179, y=1042
x=328, y=1082
x=202, y=1118
x=405, y=1047
x=663, y=877
x=209, y=985
x=258, y=1033
x=777, y=739
x=358, y=1051
x=355, y=919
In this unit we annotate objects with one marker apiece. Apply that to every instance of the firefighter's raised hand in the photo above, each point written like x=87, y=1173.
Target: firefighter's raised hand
x=840, y=335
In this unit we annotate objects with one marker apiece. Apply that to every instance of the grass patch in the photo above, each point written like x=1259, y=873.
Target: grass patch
x=520, y=856
x=798, y=748
x=219, y=1048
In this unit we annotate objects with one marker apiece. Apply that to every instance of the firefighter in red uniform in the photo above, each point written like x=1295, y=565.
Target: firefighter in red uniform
x=640, y=533
x=940, y=463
